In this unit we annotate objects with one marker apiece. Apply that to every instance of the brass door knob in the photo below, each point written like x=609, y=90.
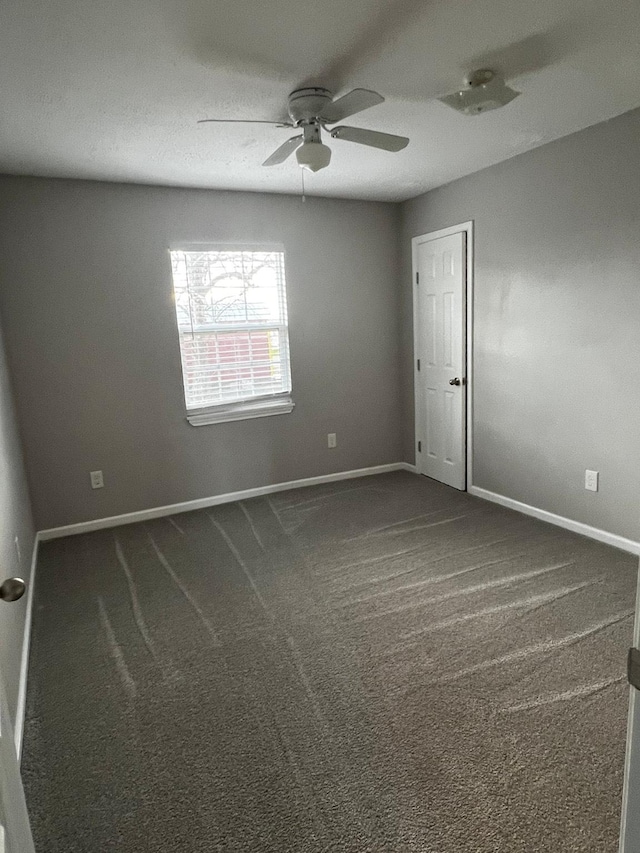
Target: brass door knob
x=455, y=381
x=12, y=589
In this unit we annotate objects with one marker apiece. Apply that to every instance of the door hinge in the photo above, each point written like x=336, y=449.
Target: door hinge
x=417, y=278
x=419, y=447
x=418, y=364
x=633, y=668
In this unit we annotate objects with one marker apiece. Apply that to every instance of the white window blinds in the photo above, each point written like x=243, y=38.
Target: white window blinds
x=232, y=321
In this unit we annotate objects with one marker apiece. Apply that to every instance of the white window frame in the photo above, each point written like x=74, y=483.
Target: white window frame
x=256, y=407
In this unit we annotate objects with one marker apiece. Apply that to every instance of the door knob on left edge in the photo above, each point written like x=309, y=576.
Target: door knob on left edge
x=12, y=589
x=455, y=381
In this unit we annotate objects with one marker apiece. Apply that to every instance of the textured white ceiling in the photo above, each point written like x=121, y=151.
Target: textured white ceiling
x=112, y=90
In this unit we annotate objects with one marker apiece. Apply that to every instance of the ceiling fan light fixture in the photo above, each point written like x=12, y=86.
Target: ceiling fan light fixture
x=313, y=156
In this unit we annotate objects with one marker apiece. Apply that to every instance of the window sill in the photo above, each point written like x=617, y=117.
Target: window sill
x=241, y=412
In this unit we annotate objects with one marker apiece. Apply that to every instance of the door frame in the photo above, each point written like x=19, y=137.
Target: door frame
x=467, y=229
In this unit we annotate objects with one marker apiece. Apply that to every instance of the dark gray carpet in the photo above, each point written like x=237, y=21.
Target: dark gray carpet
x=381, y=664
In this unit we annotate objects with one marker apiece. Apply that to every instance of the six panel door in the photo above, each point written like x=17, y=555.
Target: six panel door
x=441, y=358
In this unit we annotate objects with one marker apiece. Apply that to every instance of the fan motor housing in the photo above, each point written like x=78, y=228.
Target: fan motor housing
x=309, y=103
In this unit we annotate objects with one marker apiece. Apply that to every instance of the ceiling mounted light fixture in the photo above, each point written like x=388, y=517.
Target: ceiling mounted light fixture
x=486, y=90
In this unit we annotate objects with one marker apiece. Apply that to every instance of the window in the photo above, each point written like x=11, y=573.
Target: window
x=234, y=343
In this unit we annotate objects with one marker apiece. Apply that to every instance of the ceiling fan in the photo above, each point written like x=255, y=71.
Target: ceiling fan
x=313, y=108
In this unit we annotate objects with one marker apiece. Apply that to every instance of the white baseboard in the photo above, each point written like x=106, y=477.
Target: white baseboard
x=203, y=503
x=21, y=705
x=559, y=520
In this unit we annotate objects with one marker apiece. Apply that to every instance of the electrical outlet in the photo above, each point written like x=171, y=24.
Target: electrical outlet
x=97, y=480
x=331, y=439
x=591, y=480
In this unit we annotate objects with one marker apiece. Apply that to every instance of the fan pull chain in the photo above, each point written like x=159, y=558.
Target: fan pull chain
x=304, y=198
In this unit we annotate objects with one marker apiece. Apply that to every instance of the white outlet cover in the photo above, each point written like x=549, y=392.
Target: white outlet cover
x=97, y=480
x=591, y=480
x=331, y=439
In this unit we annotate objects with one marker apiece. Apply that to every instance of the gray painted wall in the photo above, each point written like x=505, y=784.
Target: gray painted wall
x=85, y=292
x=15, y=520
x=557, y=321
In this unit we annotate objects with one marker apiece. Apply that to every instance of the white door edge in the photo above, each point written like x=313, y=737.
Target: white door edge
x=628, y=845
x=466, y=228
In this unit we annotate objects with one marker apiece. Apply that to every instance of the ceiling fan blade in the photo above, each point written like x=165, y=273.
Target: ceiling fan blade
x=385, y=141
x=350, y=104
x=281, y=154
x=244, y=121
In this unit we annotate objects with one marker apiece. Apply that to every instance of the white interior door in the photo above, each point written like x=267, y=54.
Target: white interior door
x=630, y=830
x=440, y=356
x=15, y=832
